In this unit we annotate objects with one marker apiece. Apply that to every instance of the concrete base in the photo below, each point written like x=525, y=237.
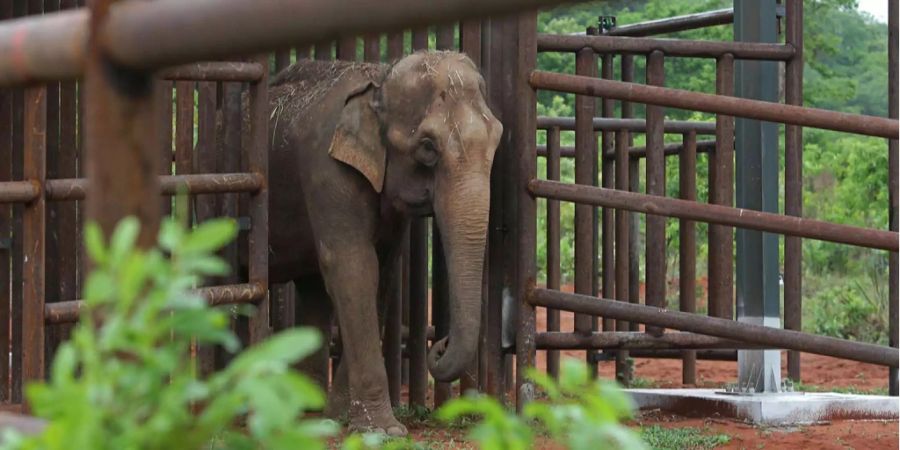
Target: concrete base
x=768, y=409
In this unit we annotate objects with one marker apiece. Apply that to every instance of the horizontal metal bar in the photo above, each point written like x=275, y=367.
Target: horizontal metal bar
x=70, y=311
x=214, y=71
x=716, y=104
x=630, y=340
x=714, y=326
x=18, y=191
x=635, y=152
x=669, y=47
x=634, y=125
x=707, y=355
x=675, y=24
x=716, y=214
x=151, y=35
x=214, y=183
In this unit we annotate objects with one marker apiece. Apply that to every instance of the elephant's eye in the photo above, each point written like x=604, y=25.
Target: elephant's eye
x=426, y=153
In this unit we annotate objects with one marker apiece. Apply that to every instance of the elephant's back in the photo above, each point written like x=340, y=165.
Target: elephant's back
x=298, y=88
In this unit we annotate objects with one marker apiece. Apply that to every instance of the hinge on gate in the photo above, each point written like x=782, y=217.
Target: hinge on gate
x=606, y=24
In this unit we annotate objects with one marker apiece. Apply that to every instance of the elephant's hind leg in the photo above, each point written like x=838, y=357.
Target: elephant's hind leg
x=313, y=309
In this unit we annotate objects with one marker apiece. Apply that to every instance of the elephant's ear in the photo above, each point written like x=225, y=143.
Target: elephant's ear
x=357, y=138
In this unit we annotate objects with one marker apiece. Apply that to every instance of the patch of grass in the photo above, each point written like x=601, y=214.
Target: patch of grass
x=643, y=383
x=882, y=390
x=409, y=414
x=660, y=438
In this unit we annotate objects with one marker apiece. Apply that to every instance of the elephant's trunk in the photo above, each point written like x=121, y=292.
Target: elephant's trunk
x=462, y=218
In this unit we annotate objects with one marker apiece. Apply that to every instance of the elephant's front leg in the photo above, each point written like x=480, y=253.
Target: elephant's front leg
x=351, y=276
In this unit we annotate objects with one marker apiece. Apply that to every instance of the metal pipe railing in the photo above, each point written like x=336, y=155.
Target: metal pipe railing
x=675, y=24
x=635, y=125
x=695, y=101
x=214, y=71
x=213, y=183
x=630, y=340
x=672, y=149
x=671, y=47
x=745, y=218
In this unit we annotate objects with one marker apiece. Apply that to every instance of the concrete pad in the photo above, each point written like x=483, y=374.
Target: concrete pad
x=790, y=408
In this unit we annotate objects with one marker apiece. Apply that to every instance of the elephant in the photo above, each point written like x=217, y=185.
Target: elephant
x=356, y=151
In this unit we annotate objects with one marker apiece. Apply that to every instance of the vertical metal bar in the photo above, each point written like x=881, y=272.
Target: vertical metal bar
x=34, y=221
x=164, y=134
x=20, y=8
x=655, y=264
x=634, y=179
x=523, y=140
x=304, y=52
x=394, y=46
x=418, y=288
x=721, y=192
x=232, y=119
x=33, y=230
x=346, y=48
x=372, y=48
x=53, y=231
x=622, y=255
x=793, y=180
x=324, y=51
x=184, y=137
x=687, y=247
x=756, y=187
x=585, y=160
x=282, y=59
x=444, y=37
x=120, y=135
x=607, y=149
x=470, y=44
x=205, y=162
x=6, y=174
x=554, y=274
x=893, y=266
x=258, y=162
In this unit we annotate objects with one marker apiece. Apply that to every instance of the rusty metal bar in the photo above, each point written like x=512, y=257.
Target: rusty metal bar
x=184, y=138
x=258, y=238
x=724, y=328
x=18, y=191
x=893, y=149
x=744, y=218
x=120, y=133
x=687, y=248
x=394, y=46
x=324, y=50
x=205, y=158
x=695, y=101
x=793, y=180
x=34, y=223
x=219, y=71
x=607, y=215
x=52, y=231
x=585, y=160
x=631, y=340
x=70, y=311
x=346, y=48
x=671, y=149
x=634, y=181
x=282, y=59
x=523, y=140
x=213, y=183
x=371, y=47
x=444, y=37
x=675, y=24
x=6, y=228
x=628, y=124
x=721, y=192
x=655, y=262
x=622, y=250
x=554, y=274
x=671, y=47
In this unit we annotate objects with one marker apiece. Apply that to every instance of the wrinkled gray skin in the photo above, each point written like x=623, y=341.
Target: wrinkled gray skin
x=356, y=151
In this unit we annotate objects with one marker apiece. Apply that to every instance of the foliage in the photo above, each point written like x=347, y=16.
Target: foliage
x=125, y=379
x=579, y=412
x=660, y=438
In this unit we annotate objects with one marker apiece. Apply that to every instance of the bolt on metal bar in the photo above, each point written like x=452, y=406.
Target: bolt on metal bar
x=745, y=218
x=671, y=47
x=634, y=125
x=214, y=71
x=675, y=24
x=52, y=46
x=724, y=328
x=695, y=101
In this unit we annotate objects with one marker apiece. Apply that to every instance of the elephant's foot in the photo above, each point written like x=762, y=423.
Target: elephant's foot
x=338, y=405
x=374, y=418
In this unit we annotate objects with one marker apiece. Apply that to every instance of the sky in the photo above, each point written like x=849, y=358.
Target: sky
x=877, y=8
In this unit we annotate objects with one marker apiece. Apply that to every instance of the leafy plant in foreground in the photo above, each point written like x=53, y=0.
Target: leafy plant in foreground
x=126, y=381
x=579, y=412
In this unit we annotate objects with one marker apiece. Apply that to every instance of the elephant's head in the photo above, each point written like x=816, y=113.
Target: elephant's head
x=425, y=139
